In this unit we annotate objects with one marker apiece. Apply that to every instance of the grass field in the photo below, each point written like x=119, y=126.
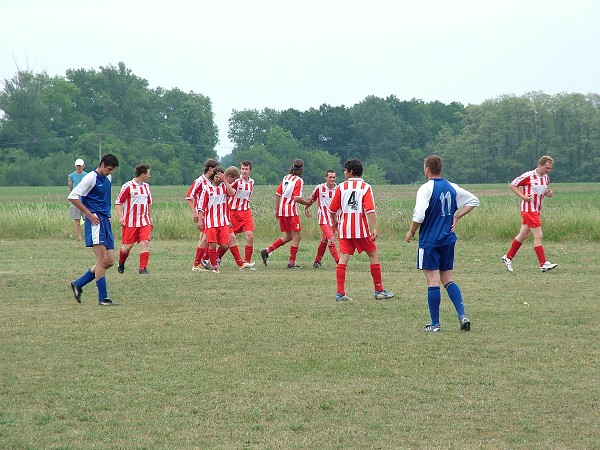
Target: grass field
x=268, y=359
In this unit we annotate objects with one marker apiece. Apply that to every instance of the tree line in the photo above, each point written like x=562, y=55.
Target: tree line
x=47, y=122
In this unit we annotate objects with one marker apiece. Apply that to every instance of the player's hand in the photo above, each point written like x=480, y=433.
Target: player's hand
x=527, y=198
x=93, y=218
x=549, y=193
x=195, y=217
x=307, y=213
x=373, y=234
x=409, y=236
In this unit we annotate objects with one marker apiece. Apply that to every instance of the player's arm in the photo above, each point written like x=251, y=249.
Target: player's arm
x=150, y=216
x=82, y=189
x=423, y=196
x=313, y=198
x=372, y=219
x=70, y=183
x=519, y=194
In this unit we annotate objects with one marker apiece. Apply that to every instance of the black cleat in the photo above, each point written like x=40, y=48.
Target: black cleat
x=76, y=292
x=465, y=324
x=264, y=254
x=105, y=302
x=121, y=268
x=144, y=271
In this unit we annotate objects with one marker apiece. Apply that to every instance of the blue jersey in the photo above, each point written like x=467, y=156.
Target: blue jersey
x=437, y=201
x=94, y=191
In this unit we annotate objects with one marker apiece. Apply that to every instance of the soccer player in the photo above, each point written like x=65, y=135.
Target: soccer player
x=73, y=180
x=535, y=188
x=322, y=195
x=352, y=212
x=287, y=196
x=213, y=215
x=134, y=208
x=239, y=205
x=193, y=195
x=92, y=197
x=434, y=217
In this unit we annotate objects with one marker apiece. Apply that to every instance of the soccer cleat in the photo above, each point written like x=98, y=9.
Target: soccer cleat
x=198, y=268
x=105, y=302
x=76, y=292
x=342, y=298
x=465, y=323
x=431, y=328
x=547, y=266
x=144, y=271
x=382, y=295
x=206, y=264
x=247, y=265
x=317, y=264
x=508, y=263
x=293, y=266
x=264, y=254
x=215, y=269
x=121, y=268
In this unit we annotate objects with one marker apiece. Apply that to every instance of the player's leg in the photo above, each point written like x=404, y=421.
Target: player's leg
x=375, y=266
x=434, y=299
x=340, y=271
x=295, y=243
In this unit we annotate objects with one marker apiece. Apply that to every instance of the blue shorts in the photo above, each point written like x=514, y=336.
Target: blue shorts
x=436, y=258
x=100, y=234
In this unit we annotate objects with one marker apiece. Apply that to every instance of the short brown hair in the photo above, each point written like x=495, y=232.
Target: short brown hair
x=297, y=167
x=545, y=160
x=434, y=164
x=246, y=163
x=210, y=164
x=141, y=169
x=232, y=171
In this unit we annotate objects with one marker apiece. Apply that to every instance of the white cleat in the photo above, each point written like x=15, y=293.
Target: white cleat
x=547, y=266
x=508, y=263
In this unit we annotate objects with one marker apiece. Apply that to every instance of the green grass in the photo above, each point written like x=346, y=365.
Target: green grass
x=268, y=359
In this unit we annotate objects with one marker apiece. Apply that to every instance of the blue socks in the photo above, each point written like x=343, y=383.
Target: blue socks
x=102, y=291
x=434, y=299
x=454, y=293
x=84, y=279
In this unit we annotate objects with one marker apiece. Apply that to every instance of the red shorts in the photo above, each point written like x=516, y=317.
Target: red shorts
x=134, y=235
x=327, y=231
x=289, y=224
x=220, y=235
x=347, y=246
x=241, y=221
x=531, y=219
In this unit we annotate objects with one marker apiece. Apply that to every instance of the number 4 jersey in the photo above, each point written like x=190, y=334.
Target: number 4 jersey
x=354, y=198
x=437, y=201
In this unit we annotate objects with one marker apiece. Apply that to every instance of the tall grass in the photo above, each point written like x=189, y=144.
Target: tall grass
x=573, y=213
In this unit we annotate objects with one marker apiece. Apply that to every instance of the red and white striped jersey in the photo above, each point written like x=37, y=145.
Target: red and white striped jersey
x=135, y=199
x=243, y=191
x=323, y=195
x=354, y=197
x=214, y=203
x=289, y=188
x=195, y=190
x=534, y=185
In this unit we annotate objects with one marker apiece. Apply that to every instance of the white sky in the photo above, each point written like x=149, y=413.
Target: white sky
x=280, y=54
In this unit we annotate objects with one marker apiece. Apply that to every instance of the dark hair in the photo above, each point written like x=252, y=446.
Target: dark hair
x=434, y=164
x=210, y=164
x=297, y=167
x=246, y=163
x=329, y=171
x=109, y=160
x=354, y=166
x=141, y=169
x=218, y=169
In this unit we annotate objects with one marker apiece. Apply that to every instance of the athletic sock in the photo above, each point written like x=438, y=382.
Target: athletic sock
x=456, y=297
x=514, y=248
x=293, y=253
x=334, y=252
x=434, y=299
x=102, y=290
x=235, y=251
x=539, y=251
x=340, y=276
x=321, y=251
x=199, y=254
x=248, y=250
x=144, y=257
x=376, y=274
x=85, y=279
x=275, y=245
x=212, y=256
x=221, y=251
x=122, y=257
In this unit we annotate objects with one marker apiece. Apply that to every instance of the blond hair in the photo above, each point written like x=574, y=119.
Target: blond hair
x=545, y=160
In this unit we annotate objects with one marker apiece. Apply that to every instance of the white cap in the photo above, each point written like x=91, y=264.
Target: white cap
x=79, y=162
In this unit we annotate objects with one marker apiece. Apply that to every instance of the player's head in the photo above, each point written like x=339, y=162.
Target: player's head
x=297, y=167
x=330, y=176
x=108, y=163
x=141, y=169
x=216, y=173
x=246, y=163
x=232, y=173
x=354, y=168
x=79, y=165
x=434, y=164
x=210, y=164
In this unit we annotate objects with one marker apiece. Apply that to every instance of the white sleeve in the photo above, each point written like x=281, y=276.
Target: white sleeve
x=464, y=197
x=84, y=187
x=423, y=197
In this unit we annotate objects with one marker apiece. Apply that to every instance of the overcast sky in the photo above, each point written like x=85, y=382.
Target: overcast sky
x=280, y=54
